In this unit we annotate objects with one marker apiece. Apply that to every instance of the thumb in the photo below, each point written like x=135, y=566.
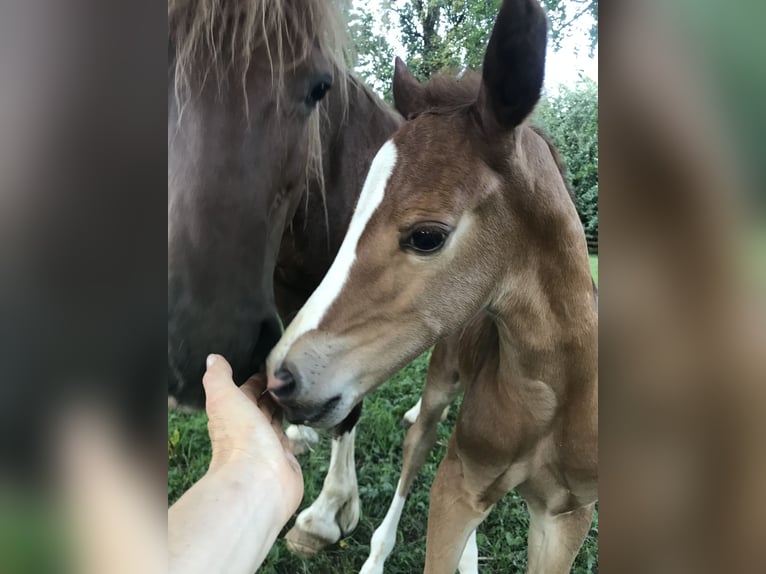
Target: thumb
x=218, y=377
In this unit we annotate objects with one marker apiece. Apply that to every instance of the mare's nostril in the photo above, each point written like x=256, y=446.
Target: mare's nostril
x=288, y=385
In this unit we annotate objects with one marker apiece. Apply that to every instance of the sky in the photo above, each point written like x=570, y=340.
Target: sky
x=562, y=67
x=572, y=59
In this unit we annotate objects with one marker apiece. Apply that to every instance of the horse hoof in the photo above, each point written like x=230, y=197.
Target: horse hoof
x=305, y=544
x=300, y=438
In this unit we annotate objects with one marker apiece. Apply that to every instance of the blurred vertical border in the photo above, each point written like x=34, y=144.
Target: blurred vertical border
x=682, y=254
x=82, y=275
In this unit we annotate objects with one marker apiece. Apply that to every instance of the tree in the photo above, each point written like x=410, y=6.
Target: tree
x=444, y=35
x=437, y=36
x=372, y=55
x=440, y=36
x=571, y=119
x=563, y=14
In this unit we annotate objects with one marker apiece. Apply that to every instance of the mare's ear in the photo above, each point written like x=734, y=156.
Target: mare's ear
x=514, y=66
x=409, y=94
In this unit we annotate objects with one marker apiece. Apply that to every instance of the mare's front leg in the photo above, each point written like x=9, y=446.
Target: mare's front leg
x=335, y=512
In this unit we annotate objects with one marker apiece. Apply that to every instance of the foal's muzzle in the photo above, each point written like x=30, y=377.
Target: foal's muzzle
x=286, y=386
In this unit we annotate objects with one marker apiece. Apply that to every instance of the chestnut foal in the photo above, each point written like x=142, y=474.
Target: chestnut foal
x=465, y=227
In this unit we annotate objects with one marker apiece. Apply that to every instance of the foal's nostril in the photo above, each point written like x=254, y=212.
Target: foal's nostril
x=288, y=384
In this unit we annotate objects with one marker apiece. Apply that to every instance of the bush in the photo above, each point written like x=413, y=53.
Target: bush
x=571, y=119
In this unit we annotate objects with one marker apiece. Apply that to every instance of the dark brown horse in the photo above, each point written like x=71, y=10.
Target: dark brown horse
x=269, y=141
x=465, y=229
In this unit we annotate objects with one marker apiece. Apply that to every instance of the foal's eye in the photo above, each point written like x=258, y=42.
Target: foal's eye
x=318, y=92
x=426, y=240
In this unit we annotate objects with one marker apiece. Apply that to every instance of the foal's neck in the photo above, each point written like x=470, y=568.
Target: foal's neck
x=547, y=327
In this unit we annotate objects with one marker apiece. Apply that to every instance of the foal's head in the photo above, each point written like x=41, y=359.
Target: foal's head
x=245, y=81
x=453, y=205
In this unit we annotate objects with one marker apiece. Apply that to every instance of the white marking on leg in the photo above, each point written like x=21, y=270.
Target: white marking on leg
x=320, y=301
x=411, y=415
x=445, y=414
x=469, y=560
x=336, y=510
x=384, y=538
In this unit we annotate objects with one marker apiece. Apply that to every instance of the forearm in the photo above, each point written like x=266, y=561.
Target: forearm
x=226, y=523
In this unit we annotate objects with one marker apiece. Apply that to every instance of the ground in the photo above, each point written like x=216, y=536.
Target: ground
x=501, y=538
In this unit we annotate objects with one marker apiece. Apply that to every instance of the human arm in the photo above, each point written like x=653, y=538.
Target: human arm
x=229, y=519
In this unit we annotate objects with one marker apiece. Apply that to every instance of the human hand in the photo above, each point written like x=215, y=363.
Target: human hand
x=245, y=428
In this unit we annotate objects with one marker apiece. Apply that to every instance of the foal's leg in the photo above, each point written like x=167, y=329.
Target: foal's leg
x=461, y=498
x=554, y=540
x=336, y=511
x=441, y=387
x=411, y=415
x=469, y=561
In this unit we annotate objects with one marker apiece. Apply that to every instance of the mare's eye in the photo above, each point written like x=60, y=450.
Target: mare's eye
x=319, y=91
x=426, y=240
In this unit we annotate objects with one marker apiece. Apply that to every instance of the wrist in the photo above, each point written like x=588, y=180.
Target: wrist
x=255, y=484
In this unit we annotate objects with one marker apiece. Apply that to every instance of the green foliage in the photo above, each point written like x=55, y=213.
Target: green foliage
x=34, y=536
x=188, y=451
x=437, y=36
x=372, y=55
x=444, y=35
x=563, y=14
x=571, y=119
x=594, y=267
x=440, y=36
x=501, y=538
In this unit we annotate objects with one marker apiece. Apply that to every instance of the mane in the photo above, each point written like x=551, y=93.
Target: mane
x=451, y=93
x=447, y=94
x=219, y=37
x=556, y=157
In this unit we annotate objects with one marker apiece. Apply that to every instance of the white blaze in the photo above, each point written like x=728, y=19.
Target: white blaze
x=320, y=301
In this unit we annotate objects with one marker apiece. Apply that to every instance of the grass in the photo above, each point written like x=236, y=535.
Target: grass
x=501, y=538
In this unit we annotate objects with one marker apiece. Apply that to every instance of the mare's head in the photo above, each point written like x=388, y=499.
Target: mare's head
x=459, y=208
x=245, y=81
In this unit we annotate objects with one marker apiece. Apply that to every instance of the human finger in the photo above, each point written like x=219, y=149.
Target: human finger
x=218, y=376
x=254, y=387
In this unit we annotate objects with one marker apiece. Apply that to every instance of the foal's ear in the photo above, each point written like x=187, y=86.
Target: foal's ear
x=514, y=65
x=409, y=94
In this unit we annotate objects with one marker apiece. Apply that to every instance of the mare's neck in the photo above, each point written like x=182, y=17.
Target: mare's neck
x=356, y=125
x=359, y=118
x=352, y=130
